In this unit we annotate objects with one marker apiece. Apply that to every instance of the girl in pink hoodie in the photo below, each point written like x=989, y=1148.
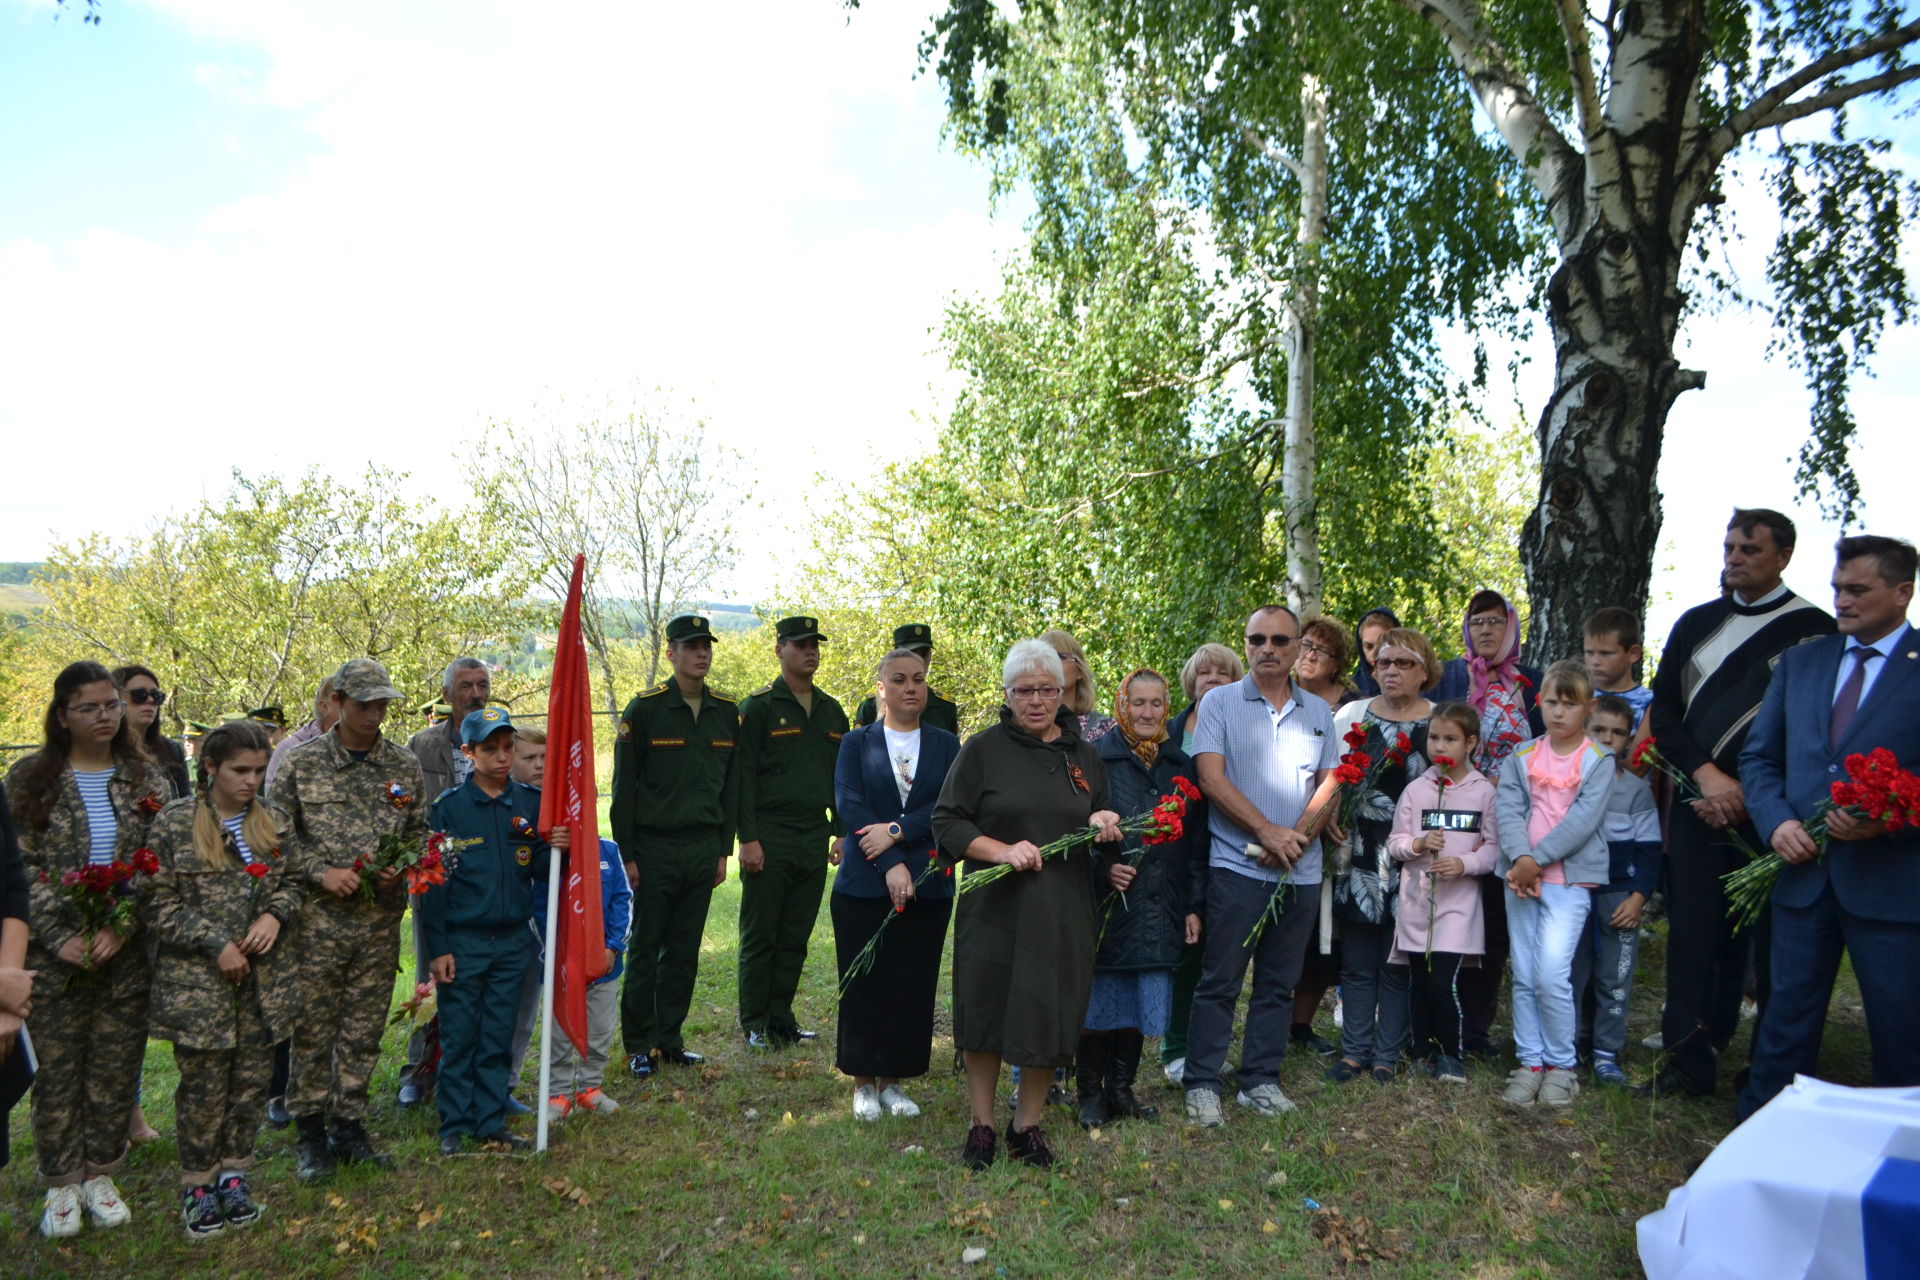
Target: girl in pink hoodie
x=1444, y=834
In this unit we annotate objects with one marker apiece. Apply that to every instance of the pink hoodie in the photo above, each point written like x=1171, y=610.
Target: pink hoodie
x=1457, y=925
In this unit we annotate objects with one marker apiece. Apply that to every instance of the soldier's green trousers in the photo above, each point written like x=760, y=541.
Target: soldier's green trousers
x=778, y=907
x=669, y=915
x=349, y=950
x=218, y=1104
x=89, y=1032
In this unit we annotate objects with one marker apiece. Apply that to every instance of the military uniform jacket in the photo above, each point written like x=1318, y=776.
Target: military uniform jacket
x=787, y=759
x=671, y=773
x=137, y=793
x=940, y=712
x=193, y=911
x=338, y=807
x=495, y=846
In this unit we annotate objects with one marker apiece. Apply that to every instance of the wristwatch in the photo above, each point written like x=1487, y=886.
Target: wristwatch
x=893, y=829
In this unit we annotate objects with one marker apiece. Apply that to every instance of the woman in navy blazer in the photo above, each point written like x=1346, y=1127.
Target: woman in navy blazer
x=885, y=786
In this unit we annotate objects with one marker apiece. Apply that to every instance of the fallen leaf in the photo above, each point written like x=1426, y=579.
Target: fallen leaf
x=786, y=1120
x=860, y=1239
x=486, y=1235
x=1268, y=1227
x=1227, y=1205
x=972, y=1254
x=1278, y=1178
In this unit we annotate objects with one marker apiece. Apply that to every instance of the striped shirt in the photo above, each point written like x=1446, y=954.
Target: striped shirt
x=1271, y=756
x=103, y=829
x=233, y=826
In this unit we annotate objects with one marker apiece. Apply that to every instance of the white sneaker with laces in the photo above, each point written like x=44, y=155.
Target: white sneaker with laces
x=1266, y=1099
x=866, y=1102
x=62, y=1217
x=1175, y=1071
x=897, y=1103
x=1203, y=1109
x=104, y=1205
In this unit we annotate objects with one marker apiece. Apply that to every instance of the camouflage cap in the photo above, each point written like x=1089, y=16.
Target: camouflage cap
x=364, y=680
x=689, y=626
x=915, y=635
x=483, y=724
x=797, y=628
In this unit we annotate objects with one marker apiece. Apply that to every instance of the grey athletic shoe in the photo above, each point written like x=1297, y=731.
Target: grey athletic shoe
x=1265, y=1099
x=1523, y=1086
x=1560, y=1086
x=1203, y=1108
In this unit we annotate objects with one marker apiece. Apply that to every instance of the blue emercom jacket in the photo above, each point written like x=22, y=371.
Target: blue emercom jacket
x=616, y=909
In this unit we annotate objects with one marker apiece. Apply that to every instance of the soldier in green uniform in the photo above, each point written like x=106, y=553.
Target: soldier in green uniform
x=476, y=929
x=941, y=713
x=341, y=793
x=673, y=813
x=789, y=740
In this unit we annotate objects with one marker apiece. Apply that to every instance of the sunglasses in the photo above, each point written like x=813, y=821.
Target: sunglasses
x=141, y=697
x=1396, y=664
x=1279, y=641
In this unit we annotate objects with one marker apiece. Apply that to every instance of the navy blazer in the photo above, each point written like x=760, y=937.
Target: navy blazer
x=865, y=793
x=1787, y=770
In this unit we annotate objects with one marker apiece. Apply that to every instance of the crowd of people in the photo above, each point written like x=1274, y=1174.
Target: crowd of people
x=1364, y=816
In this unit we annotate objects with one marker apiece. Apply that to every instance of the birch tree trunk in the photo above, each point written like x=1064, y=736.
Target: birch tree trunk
x=1300, y=317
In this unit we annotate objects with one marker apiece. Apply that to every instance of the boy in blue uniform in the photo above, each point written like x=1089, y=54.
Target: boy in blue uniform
x=475, y=928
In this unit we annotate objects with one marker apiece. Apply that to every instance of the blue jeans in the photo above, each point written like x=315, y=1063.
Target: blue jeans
x=1545, y=931
x=1373, y=995
x=1605, y=958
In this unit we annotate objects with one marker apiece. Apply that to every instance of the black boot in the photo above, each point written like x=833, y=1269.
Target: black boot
x=351, y=1145
x=1121, y=1070
x=313, y=1160
x=1090, y=1074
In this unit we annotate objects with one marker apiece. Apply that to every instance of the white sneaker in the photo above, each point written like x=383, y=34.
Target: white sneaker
x=1656, y=1041
x=1175, y=1071
x=1266, y=1099
x=1339, y=1012
x=1203, y=1109
x=1559, y=1087
x=866, y=1102
x=897, y=1103
x=62, y=1217
x=104, y=1205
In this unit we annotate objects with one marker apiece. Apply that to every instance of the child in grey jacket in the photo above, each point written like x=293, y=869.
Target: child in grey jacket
x=1553, y=804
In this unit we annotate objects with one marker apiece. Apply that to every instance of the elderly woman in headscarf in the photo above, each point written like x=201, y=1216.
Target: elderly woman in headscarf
x=1152, y=911
x=1491, y=680
x=1023, y=946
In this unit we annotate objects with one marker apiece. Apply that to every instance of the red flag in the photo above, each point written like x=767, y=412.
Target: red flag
x=569, y=799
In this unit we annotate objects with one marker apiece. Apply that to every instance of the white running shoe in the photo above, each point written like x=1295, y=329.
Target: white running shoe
x=62, y=1217
x=1266, y=1099
x=866, y=1102
x=104, y=1205
x=897, y=1103
x=1175, y=1071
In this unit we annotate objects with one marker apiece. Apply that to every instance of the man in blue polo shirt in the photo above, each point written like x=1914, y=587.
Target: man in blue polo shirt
x=1265, y=753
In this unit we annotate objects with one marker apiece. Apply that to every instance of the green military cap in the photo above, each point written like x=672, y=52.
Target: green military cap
x=364, y=680
x=797, y=628
x=915, y=635
x=197, y=730
x=275, y=716
x=228, y=717
x=688, y=626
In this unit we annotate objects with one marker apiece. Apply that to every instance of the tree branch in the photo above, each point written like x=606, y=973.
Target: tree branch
x=1837, y=96
x=1757, y=113
x=1276, y=154
x=1573, y=23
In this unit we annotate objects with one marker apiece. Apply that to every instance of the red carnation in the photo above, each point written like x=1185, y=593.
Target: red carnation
x=1356, y=736
x=258, y=870
x=1186, y=787
x=1403, y=744
x=1349, y=774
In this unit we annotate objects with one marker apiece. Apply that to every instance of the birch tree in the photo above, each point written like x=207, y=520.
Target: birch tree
x=1618, y=122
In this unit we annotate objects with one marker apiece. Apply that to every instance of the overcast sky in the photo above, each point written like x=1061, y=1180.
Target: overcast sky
x=280, y=235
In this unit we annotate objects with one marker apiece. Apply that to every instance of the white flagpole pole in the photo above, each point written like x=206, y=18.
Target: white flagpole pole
x=546, y=1001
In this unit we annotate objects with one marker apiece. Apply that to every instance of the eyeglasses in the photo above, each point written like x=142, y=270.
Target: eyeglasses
x=1397, y=664
x=141, y=697
x=1308, y=649
x=1027, y=693
x=88, y=710
x=1278, y=641
x=1487, y=623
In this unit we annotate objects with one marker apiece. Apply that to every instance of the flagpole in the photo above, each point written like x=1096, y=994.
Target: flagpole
x=552, y=950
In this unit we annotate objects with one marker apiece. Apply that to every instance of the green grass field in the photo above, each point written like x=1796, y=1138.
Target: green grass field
x=754, y=1167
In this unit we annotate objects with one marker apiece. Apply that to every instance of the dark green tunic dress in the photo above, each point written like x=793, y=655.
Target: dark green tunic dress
x=1023, y=947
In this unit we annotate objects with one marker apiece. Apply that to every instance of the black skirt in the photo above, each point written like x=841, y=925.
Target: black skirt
x=886, y=1018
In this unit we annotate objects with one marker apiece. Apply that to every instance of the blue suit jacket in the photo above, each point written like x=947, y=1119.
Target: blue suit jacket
x=865, y=793
x=1787, y=770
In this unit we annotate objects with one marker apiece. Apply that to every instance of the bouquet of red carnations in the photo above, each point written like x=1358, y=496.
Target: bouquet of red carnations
x=103, y=894
x=422, y=863
x=1877, y=789
x=1158, y=825
x=1359, y=773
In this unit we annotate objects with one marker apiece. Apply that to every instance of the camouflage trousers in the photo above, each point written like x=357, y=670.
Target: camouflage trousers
x=220, y=1098
x=348, y=956
x=89, y=1031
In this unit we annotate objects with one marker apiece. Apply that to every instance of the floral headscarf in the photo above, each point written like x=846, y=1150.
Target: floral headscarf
x=1503, y=667
x=1147, y=748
